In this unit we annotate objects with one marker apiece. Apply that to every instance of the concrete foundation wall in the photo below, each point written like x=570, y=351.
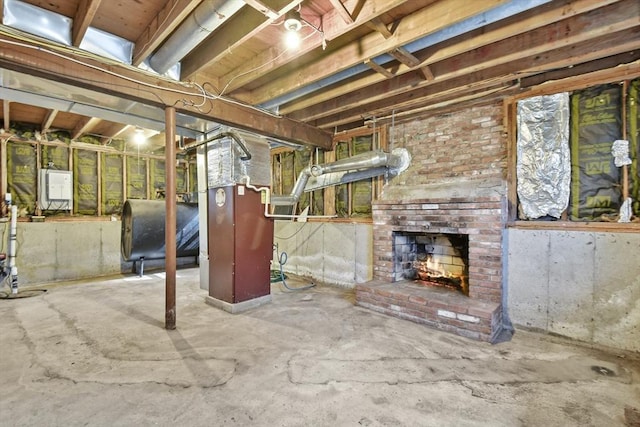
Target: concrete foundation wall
x=54, y=251
x=332, y=253
x=582, y=285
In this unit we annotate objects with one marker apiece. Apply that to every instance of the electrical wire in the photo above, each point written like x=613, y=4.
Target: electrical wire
x=56, y=50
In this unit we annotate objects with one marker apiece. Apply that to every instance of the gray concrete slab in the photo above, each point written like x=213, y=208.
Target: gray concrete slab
x=96, y=353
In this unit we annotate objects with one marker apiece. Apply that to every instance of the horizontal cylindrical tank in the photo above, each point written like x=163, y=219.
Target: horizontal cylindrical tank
x=143, y=228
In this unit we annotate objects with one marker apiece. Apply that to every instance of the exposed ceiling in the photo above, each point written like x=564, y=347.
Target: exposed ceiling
x=360, y=63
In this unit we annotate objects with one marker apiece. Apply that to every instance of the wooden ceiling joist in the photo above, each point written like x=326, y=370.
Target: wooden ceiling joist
x=262, y=8
x=342, y=11
x=509, y=43
x=85, y=125
x=113, y=131
x=6, y=115
x=163, y=24
x=82, y=20
x=333, y=26
x=379, y=69
x=48, y=120
x=440, y=14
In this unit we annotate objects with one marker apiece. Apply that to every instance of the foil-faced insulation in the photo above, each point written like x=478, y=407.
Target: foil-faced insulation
x=543, y=164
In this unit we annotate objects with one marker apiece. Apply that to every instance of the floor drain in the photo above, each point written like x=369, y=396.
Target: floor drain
x=22, y=294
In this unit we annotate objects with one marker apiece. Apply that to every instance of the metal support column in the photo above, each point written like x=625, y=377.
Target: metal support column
x=170, y=221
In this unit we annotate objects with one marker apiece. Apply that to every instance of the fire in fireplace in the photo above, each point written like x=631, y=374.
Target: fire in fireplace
x=433, y=259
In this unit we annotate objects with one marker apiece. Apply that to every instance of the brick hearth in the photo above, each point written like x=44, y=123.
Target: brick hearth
x=433, y=306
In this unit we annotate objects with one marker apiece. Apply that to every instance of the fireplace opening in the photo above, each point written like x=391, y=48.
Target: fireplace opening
x=432, y=259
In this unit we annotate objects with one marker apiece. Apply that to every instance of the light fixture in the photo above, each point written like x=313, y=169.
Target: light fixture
x=293, y=23
x=138, y=136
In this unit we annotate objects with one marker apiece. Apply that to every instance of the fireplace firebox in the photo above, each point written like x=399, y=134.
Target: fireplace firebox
x=432, y=259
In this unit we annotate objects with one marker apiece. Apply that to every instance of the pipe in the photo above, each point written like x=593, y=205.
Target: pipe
x=496, y=14
x=208, y=16
x=369, y=160
x=12, y=249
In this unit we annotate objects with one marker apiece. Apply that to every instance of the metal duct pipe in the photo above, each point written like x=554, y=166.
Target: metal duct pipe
x=296, y=192
x=396, y=162
x=369, y=160
x=202, y=22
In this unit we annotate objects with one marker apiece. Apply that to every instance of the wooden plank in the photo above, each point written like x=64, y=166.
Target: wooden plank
x=241, y=27
x=85, y=125
x=550, y=13
x=125, y=82
x=379, y=69
x=162, y=25
x=48, y=120
x=376, y=24
x=427, y=73
x=560, y=58
x=84, y=15
x=263, y=8
x=406, y=57
x=534, y=44
x=6, y=115
x=333, y=26
x=410, y=28
x=113, y=131
x=342, y=11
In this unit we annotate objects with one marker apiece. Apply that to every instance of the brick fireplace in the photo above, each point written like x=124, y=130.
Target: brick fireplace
x=472, y=228
x=454, y=189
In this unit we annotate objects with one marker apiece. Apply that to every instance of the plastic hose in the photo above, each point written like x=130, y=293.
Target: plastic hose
x=282, y=260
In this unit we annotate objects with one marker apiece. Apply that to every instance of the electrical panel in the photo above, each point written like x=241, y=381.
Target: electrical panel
x=55, y=190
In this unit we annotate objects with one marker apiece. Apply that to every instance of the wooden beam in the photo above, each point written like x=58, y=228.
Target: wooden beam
x=241, y=27
x=128, y=83
x=263, y=8
x=342, y=11
x=379, y=69
x=84, y=125
x=162, y=25
x=333, y=26
x=411, y=28
x=113, y=131
x=427, y=73
x=6, y=115
x=48, y=120
x=406, y=57
x=587, y=51
x=534, y=43
x=84, y=15
x=547, y=14
x=376, y=24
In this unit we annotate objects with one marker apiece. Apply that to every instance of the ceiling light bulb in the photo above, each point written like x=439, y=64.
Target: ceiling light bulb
x=292, y=39
x=138, y=137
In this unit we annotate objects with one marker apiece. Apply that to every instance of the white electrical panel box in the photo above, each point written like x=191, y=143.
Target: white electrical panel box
x=56, y=190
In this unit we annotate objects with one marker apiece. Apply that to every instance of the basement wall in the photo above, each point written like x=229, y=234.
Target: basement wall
x=70, y=250
x=578, y=284
x=331, y=253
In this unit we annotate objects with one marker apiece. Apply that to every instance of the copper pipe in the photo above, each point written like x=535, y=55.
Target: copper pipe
x=170, y=220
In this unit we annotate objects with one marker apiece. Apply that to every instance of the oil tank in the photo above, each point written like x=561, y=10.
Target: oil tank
x=143, y=229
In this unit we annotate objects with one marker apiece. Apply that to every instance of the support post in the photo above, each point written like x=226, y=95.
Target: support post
x=170, y=219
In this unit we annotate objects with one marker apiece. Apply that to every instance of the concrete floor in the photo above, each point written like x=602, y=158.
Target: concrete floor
x=97, y=353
